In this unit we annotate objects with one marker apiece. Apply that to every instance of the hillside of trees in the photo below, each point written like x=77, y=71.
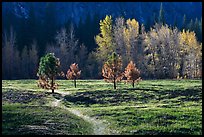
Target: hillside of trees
x=159, y=51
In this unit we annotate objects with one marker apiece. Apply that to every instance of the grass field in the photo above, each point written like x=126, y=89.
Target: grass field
x=153, y=107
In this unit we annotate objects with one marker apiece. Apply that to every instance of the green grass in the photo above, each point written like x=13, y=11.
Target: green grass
x=21, y=119
x=153, y=107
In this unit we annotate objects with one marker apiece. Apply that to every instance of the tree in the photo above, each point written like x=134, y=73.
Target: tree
x=119, y=38
x=33, y=57
x=105, y=39
x=9, y=54
x=197, y=30
x=73, y=73
x=112, y=69
x=184, y=22
x=62, y=42
x=67, y=46
x=49, y=68
x=190, y=25
x=25, y=62
x=162, y=49
x=190, y=54
x=82, y=57
x=132, y=73
x=131, y=33
x=161, y=18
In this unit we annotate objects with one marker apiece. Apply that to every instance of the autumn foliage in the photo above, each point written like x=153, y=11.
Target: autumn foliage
x=73, y=73
x=49, y=68
x=132, y=73
x=112, y=69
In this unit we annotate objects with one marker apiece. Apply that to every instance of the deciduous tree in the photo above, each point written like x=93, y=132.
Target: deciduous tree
x=112, y=69
x=73, y=73
x=105, y=39
x=132, y=73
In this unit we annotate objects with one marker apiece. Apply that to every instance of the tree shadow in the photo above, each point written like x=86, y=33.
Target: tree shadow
x=125, y=95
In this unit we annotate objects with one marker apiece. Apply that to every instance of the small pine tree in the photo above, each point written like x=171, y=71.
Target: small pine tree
x=132, y=73
x=49, y=68
x=161, y=18
x=73, y=73
x=112, y=69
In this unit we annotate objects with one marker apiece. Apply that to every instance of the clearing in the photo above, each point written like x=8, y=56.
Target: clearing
x=154, y=107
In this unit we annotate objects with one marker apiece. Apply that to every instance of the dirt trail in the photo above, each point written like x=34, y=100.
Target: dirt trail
x=99, y=127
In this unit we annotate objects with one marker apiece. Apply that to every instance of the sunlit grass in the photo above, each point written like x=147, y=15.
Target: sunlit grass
x=157, y=107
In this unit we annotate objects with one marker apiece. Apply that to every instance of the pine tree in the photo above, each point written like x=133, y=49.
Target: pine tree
x=49, y=68
x=183, y=22
x=161, y=18
x=112, y=69
x=190, y=25
x=73, y=73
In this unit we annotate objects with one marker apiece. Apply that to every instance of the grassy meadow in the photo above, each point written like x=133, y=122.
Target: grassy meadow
x=153, y=107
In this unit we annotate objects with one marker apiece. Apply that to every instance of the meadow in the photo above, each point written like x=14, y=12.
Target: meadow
x=153, y=107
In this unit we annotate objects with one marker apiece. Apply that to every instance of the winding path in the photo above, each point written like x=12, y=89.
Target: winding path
x=99, y=127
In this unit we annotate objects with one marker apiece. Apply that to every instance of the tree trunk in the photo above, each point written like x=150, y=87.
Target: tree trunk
x=154, y=73
x=133, y=83
x=114, y=83
x=75, y=83
x=181, y=68
x=52, y=85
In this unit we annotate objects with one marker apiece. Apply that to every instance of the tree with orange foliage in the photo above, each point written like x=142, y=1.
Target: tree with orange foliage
x=112, y=69
x=132, y=73
x=73, y=73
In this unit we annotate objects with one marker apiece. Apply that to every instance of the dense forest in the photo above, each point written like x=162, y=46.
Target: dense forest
x=158, y=49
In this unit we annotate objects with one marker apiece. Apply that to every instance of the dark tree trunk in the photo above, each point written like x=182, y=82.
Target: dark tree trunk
x=52, y=85
x=114, y=83
x=133, y=83
x=181, y=68
x=75, y=83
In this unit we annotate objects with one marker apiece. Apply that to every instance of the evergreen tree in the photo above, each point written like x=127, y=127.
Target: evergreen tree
x=49, y=68
x=183, y=22
x=161, y=17
x=190, y=25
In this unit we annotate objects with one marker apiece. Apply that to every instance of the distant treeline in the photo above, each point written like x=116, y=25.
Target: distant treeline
x=24, y=41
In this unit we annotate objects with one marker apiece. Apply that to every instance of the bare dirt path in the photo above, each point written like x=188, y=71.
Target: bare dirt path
x=99, y=126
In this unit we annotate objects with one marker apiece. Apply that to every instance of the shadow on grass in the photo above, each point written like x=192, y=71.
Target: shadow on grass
x=192, y=94
x=115, y=97
x=22, y=96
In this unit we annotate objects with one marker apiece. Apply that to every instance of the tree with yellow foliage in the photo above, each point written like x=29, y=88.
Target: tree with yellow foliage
x=190, y=54
x=105, y=39
x=131, y=33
